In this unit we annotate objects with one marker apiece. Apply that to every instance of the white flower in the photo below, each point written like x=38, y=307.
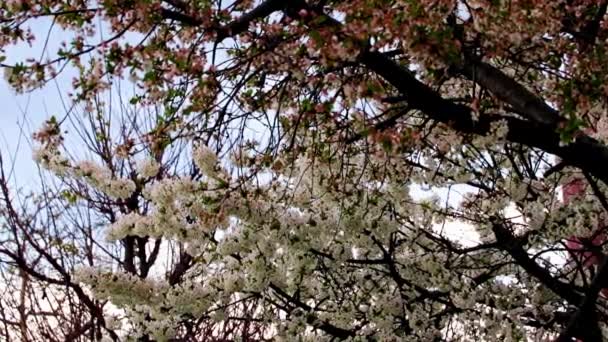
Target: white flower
x=148, y=168
x=8, y=74
x=122, y=227
x=205, y=159
x=119, y=188
x=91, y=170
x=113, y=322
x=39, y=155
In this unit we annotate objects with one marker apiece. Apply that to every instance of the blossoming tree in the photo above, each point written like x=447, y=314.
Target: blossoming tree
x=48, y=237
x=280, y=159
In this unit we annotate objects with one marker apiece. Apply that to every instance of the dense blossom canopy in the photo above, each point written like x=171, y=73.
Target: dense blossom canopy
x=366, y=169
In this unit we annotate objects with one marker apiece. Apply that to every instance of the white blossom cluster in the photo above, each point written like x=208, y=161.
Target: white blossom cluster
x=49, y=156
x=348, y=240
x=148, y=168
x=102, y=179
x=205, y=159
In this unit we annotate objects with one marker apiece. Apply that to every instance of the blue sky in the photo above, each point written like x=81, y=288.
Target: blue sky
x=22, y=114
x=19, y=116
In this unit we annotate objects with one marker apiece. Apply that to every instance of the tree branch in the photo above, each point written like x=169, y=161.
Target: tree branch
x=510, y=91
x=584, y=323
x=513, y=246
x=233, y=28
x=585, y=153
x=311, y=318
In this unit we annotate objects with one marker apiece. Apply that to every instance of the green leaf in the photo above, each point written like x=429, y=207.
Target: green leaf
x=316, y=37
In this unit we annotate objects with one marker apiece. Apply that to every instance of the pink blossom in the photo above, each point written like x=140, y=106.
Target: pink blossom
x=579, y=248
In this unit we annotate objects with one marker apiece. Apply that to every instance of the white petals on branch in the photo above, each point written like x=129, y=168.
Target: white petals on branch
x=205, y=159
x=51, y=160
x=182, y=209
x=148, y=168
x=131, y=224
x=101, y=179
